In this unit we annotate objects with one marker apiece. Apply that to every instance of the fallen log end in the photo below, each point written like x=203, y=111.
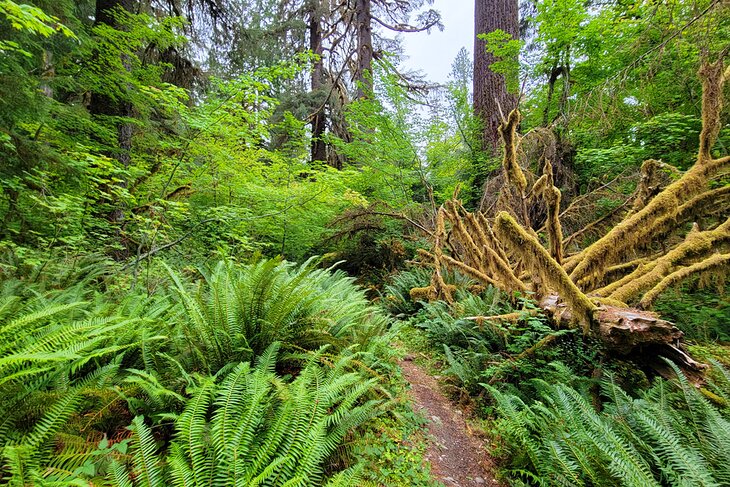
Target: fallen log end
x=631, y=331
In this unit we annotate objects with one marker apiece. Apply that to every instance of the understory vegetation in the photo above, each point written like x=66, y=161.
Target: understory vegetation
x=561, y=413
x=254, y=374
x=224, y=222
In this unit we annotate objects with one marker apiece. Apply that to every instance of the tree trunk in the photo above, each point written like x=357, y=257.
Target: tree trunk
x=364, y=75
x=103, y=105
x=490, y=89
x=319, y=120
x=633, y=332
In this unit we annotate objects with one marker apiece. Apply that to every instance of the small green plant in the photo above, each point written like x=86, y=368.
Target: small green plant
x=701, y=314
x=477, y=350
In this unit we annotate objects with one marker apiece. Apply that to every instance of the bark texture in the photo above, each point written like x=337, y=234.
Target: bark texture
x=319, y=118
x=363, y=19
x=490, y=89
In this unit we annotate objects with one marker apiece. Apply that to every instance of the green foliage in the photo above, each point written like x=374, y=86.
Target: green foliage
x=76, y=365
x=395, y=295
x=506, y=50
x=29, y=19
x=670, y=435
x=255, y=429
x=671, y=137
x=700, y=313
x=394, y=449
x=239, y=311
x=600, y=166
x=475, y=351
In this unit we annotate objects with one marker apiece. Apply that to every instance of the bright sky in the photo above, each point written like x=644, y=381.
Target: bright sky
x=433, y=53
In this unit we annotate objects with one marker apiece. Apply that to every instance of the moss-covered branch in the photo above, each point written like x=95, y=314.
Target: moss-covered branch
x=715, y=263
x=542, y=263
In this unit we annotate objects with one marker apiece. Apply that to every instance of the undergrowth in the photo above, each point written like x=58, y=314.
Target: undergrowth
x=557, y=404
x=670, y=434
x=266, y=373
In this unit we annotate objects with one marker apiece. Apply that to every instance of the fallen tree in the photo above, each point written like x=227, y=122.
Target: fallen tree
x=606, y=288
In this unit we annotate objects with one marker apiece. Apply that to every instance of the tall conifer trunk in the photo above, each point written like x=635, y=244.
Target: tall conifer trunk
x=490, y=89
x=363, y=19
x=319, y=120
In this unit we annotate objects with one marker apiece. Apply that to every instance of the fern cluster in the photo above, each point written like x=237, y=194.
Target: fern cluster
x=671, y=435
x=481, y=350
x=192, y=368
x=236, y=312
x=247, y=427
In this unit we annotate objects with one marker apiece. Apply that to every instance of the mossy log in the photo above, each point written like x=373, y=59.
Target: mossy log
x=630, y=332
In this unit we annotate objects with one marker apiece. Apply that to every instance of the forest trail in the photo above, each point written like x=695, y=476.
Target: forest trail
x=458, y=458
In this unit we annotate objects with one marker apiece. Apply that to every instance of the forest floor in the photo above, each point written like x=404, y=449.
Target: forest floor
x=458, y=458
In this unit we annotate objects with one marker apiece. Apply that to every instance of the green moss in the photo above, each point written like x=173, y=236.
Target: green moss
x=552, y=274
x=512, y=169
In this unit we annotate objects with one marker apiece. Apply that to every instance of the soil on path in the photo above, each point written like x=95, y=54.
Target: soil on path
x=457, y=458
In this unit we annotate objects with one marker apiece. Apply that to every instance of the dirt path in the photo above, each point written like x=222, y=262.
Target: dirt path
x=457, y=458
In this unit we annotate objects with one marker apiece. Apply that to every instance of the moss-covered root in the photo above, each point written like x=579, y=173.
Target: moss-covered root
x=551, y=273
x=512, y=170
x=712, y=202
x=697, y=244
x=717, y=263
x=552, y=196
x=486, y=260
x=713, y=80
x=438, y=289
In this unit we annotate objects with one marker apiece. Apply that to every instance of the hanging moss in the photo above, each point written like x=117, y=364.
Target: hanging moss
x=642, y=270
x=539, y=185
x=609, y=302
x=552, y=274
x=494, y=242
x=474, y=253
x=472, y=272
x=483, y=256
x=638, y=228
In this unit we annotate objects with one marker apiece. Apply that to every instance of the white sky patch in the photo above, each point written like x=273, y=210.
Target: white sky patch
x=433, y=53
